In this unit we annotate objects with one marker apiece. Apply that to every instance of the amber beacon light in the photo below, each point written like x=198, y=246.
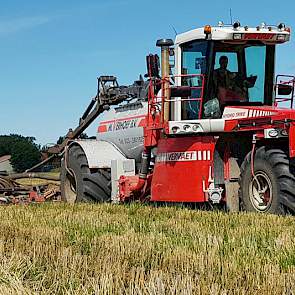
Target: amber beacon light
x=207, y=29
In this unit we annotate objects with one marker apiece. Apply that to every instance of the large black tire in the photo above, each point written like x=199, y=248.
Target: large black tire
x=79, y=184
x=273, y=178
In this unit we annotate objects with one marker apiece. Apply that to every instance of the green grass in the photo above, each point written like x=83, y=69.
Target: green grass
x=136, y=249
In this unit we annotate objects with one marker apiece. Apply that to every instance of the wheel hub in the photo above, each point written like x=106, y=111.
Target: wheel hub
x=260, y=191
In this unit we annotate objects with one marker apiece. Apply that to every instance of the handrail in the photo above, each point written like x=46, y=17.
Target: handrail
x=158, y=101
x=291, y=82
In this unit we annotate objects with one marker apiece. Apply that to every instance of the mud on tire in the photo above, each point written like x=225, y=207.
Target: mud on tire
x=273, y=188
x=79, y=183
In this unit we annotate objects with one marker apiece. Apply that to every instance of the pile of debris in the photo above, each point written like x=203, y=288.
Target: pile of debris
x=12, y=192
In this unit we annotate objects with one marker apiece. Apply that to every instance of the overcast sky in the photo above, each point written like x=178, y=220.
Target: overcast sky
x=52, y=51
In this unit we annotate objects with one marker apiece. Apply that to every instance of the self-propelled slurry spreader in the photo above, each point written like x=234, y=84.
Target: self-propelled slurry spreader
x=210, y=124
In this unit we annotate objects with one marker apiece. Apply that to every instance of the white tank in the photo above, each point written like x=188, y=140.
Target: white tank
x=123, y=126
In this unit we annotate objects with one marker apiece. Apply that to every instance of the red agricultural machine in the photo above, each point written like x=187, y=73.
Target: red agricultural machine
x=215, y=127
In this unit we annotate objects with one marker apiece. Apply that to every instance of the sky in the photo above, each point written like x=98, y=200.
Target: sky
x=51, y=52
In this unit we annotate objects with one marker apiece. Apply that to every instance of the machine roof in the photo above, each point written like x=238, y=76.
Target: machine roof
x=226, y=33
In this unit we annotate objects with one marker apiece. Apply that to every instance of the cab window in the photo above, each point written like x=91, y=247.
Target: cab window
x=227, y=77
x=255, y=67
x=232, y=60
x=194, y=68
x=194, y=62
x=239, y=74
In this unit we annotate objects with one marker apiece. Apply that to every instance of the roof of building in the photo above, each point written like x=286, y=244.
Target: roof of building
x=5, y=158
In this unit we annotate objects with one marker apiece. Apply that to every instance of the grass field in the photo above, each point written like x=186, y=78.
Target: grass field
x=114, y=249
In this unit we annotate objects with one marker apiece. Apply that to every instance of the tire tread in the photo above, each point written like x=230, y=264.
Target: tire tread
x=282, y=170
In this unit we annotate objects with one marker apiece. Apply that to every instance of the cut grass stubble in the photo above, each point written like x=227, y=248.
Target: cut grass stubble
x=136, y=249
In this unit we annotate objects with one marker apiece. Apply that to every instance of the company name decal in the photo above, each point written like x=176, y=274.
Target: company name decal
x=117, y=125
x=258, y=36
x=122, y=125
x=184, y=156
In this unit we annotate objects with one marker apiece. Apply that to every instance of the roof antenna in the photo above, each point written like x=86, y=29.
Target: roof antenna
x=231, y=16
x=174, y=30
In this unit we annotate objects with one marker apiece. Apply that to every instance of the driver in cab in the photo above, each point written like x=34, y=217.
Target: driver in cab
x=225, y=87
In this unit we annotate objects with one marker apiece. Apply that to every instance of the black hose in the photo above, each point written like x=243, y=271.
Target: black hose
x=145, y=164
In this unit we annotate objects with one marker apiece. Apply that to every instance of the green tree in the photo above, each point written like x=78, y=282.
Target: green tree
x=24, y=152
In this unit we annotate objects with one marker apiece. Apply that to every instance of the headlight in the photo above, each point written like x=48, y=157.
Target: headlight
x=281, y=37
x=186, y=128
x=195, y=128
x=273, y=133
x=284, y=132
x=175, y=129
x=236, y=25
x=281, y=26
x=237, y=36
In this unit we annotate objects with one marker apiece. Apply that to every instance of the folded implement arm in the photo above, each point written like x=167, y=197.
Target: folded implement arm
x=109, y=93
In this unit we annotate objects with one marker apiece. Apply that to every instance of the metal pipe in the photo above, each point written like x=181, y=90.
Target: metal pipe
x=89, y=108
x=41, y=163
x=165, y=45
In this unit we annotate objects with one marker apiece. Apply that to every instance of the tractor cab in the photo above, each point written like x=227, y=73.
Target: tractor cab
x=221, y=67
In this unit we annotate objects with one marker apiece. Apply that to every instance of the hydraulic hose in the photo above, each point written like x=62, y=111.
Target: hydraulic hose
x=145, y=164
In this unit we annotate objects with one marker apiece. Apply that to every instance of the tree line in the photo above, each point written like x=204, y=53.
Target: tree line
x=24, y=151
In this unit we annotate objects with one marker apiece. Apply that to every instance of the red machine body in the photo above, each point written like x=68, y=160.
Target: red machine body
x=183, y=169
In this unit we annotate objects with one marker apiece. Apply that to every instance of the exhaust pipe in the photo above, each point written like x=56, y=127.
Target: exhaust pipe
x=165, y=45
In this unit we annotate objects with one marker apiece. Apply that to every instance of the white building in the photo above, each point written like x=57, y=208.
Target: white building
x=5, y=165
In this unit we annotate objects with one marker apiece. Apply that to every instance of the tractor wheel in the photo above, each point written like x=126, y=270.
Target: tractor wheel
x=271, y=190
x=79, y=184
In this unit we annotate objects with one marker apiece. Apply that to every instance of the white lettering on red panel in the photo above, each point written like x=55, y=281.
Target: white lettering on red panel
x=184, y=156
